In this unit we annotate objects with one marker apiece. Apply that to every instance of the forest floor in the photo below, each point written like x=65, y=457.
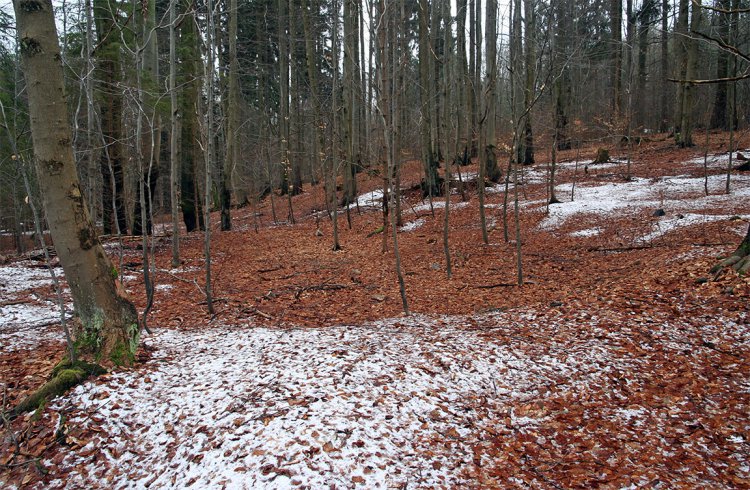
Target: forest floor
x=620, y=363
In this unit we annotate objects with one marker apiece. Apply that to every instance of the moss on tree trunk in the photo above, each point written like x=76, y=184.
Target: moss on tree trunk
x=64, y=376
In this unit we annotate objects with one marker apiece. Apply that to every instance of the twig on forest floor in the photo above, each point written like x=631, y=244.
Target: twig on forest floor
x=319, y=287
x=14, y=302
x=620, y=249
x=270, y=269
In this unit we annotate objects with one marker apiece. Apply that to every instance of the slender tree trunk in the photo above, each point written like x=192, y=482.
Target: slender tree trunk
x=335, y=126
x=472, y=88
x=450, y=65
x=174, y=136
x=209, y=73
x=529, y=18
x=351, y=103
x=233, y=123
x=387, y=56
x=719, y=117
x=108, y=320
x=426, y=96
x=665, y=84
x=189, y=65
x=490, y=154
x=616, y=44
x=90, y=113
x=681, y=57
x=312, y=73
x=107, y=29
x=562, y=84
x=686, y=122
x=462, y=86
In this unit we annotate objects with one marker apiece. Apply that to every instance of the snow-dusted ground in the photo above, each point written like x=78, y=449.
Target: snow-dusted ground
x=393, y=404
x=673, y=194
x=26, y=319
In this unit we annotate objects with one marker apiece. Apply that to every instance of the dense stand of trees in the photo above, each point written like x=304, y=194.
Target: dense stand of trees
x=293, y=96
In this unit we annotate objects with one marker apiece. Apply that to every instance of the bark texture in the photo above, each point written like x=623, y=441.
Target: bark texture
x=108, y=327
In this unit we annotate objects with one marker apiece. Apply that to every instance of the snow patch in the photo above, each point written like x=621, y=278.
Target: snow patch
x=587, y=232
x=413, y=225
x=673, y=193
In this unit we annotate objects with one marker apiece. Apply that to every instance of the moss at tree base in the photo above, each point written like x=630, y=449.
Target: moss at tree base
x=64, y=376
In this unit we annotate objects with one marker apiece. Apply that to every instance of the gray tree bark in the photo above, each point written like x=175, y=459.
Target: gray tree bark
x=108, y=327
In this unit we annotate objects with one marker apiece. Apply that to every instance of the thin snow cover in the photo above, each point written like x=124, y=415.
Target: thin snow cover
x=31, y=319
x=667, y=224
x=540, y=173
x=367, y=406
x=21, y=276
x=675, y=193
x=412, y=225
x=589, y=232
x=720, y=160
x=438, y=204
x=372, y=199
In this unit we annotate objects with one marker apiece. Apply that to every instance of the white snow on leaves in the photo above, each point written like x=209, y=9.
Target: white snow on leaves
x=374, y=405
x=28, y=322
x=674, y=194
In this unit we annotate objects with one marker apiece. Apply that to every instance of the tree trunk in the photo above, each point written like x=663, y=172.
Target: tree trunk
x=312, y=73
x=461, y=78
x=490, y=154
x=108, y=328
x=108, y=51
x=616, y=43
x=148, y=154
x=351, y=103
x=686, y=121
x=562, y=85
x=665, y=84
x=209, y=154
x=529, y=19
x=335, y=127
x=174, y=135
x=719, y=118
x=681, y=40
x=233, y=123
x=426, y=60
x=190, y=66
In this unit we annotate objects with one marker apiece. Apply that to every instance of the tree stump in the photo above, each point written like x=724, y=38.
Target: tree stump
x=602, y=156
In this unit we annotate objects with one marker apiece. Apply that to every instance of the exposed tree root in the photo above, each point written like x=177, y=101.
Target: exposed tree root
x=65, y=376
x=739, y=260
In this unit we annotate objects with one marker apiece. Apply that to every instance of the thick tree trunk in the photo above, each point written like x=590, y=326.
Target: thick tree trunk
x=108, y=329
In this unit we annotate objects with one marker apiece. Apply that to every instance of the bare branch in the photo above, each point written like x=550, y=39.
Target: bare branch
x=721, y=10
